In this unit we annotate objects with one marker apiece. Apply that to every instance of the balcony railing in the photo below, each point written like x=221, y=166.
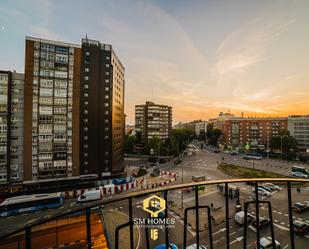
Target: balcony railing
x=165, y=192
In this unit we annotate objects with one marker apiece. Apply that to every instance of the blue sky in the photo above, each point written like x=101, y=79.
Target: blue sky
x=201, y=57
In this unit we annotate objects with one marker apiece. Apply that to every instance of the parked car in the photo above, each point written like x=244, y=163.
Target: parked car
x=194, y=246
x=163, y=246
x=216, y=151
x=299, y=175
x=300, y=207
x=92, y=195
x=266, y=242
x=234, y=153
x=263, y=222
x=262, y=191
x=300, y=227
x=240, y=217
x=272, y=186
x=265, y=187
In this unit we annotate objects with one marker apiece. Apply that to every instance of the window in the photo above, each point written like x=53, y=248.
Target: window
x=85, y=154
x=86, y=69
x=106, y=88
x=107, y=81
x=86, y=95
x=106, y=112
x=86, y=77
x=85, y=102
x=86, y=86
x=106, y=65
x=86, y=120
x=85, y=138
x=85, y=128
x=87, y=53
x=85, y=146
x=106, y=137
x=106, y=104
x=106, y=97
x=85, y=163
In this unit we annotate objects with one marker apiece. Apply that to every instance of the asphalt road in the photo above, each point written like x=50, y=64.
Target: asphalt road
x=204, y=163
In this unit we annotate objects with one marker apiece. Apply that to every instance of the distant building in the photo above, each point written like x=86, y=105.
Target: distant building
x=220, y=120
x=153, y=120
x=187, y=125
x=102, y=118
x=51, y=121
x=11, y=126
x=252, y=132
x=298, y=126
x=200, y=126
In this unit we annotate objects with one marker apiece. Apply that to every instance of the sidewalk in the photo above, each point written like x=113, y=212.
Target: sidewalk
x=217, y=211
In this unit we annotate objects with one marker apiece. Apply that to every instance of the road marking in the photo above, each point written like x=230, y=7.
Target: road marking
x=252, y=228
x=276, y=220
x=281, y=227
x=220, y=231
x=279, y=213
x=286, y=215
x=282, y=223
x=286, y=246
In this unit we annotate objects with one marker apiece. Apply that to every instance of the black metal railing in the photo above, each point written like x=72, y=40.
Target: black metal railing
x=28, y=227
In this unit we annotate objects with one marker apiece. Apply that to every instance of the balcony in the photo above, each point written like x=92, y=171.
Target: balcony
x=196, y=223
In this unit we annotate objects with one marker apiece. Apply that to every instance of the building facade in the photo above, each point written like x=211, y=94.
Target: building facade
x=102, y=118
x=51, y=109
x=253, y=133
x=200, y=126
x=153, y=120
x=5, y=124
x=298, y=126
x=11, y=126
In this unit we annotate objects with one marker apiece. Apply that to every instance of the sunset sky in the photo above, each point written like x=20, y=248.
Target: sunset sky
x=201, y=57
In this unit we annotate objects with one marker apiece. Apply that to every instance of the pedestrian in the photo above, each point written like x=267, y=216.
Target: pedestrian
x=298, y=190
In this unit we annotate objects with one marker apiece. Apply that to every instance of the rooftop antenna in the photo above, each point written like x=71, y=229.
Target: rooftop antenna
x=86, y=38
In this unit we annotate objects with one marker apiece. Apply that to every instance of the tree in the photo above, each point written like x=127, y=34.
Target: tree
x=154, y=144
x=289, y=143
x=129, y=143
x=183, y=136
x=202, y=135
x=213, y=134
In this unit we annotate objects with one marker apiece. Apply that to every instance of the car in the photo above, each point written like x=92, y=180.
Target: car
x=262, y=191
x=265, y=187
x=250, y=183
x=194, y=246
x=272, y=186
x=240, y=217
x=263, y=222
x=299, y=175
x=300, y=227
x=233, y=153
x=163, y=246
x=300, y=207
x=216, y=151
x=266, y=242
x=246, y=157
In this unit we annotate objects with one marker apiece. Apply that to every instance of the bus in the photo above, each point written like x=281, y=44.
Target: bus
x=199, y=179
x=30, y=203
x=300, y=169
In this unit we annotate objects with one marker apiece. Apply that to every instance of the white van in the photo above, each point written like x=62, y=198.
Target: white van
x=92, y=195
x=240, y=217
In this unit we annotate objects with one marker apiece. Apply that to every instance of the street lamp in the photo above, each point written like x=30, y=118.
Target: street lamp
x=281, y=137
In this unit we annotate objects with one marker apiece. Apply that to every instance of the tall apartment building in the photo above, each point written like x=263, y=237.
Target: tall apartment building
x=255, y=132
x=11, y=126
x=51, y=120
x=102, y=118
x=298, y=125
x=153, y=120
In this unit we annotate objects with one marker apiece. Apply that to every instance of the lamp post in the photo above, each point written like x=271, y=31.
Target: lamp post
x=281, y=138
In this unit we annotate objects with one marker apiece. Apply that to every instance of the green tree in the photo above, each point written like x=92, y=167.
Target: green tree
x=202, y=135
x=289, y=143
x=154, y=144
x=213, y=134
x=129, y=143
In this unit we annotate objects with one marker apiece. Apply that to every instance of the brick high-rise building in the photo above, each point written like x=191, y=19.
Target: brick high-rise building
x=51, y=120
x=102, y=118
x=255, y=132
x=153, y=120
x=11, y=126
